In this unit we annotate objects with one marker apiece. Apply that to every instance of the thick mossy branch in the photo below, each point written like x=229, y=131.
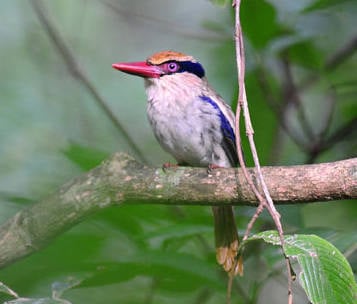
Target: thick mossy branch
x=123, y=180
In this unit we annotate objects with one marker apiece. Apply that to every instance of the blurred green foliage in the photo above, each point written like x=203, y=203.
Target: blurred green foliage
x=52, y=130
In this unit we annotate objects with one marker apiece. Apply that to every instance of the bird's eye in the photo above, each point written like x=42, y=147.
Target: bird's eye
x=172, y=67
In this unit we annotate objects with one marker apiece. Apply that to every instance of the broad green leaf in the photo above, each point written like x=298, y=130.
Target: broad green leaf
x=68, y=254
x=84, y=157
x=259, y=14
x=175, y=271
x=323, y=4
x=18, y=199
x=326, y=275
x=178, y=231
x=306, y=54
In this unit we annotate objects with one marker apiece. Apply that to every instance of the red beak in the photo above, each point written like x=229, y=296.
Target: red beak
x=142, y=69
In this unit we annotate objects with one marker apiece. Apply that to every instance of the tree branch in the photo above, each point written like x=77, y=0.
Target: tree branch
x=121, y=179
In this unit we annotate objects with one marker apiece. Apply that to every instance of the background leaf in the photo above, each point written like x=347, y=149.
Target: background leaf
x=85, y=157
x=325, y=275
x=7, y=290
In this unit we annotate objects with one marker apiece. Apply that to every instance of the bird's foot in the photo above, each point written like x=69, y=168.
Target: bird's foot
x=168, y=165
x=211, y=167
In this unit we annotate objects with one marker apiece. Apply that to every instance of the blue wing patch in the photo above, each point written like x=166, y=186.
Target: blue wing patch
x=229, y=138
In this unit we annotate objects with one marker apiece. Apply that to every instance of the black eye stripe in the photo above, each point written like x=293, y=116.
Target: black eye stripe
x=195, y=68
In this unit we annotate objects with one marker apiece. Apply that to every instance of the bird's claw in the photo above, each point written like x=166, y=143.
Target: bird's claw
x=211, y=167
x=168, y=165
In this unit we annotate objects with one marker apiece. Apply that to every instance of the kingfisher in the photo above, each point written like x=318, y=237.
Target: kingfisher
x=194, y=124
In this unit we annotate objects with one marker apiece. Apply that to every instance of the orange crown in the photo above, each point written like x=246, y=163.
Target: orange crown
x=163, y=56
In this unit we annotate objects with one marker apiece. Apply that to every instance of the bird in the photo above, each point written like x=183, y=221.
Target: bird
x=194, y=124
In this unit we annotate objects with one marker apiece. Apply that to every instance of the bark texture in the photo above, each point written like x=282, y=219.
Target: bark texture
x=121, y=179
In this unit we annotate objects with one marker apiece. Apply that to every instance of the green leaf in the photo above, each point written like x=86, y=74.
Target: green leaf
x=7, y=290
x=17, y=199
x=306, y=54
x=323, y=4
x=84, y=157
x=258, y=14
x=175, y=271
x=181, y=230
x=326, y=275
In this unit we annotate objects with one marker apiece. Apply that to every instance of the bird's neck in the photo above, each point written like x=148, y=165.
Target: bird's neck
x=170, y=88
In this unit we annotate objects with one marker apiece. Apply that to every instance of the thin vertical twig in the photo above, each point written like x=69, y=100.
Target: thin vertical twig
x=242, y=105
x=292, y=94
x=279, y=109
x=77, y=72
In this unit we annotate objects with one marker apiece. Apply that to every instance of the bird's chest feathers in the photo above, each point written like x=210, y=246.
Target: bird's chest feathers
x=172, y=118
x=185, y=125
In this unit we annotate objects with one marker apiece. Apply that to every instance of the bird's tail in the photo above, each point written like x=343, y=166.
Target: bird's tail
x=227, y=241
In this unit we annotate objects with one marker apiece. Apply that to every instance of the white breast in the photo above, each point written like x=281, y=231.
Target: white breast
x=185, y=126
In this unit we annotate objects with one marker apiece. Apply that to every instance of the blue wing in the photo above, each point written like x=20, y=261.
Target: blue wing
x=229, y=138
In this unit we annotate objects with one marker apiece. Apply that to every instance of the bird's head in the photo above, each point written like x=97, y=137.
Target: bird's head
x=168, y=75
x=162, y=64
